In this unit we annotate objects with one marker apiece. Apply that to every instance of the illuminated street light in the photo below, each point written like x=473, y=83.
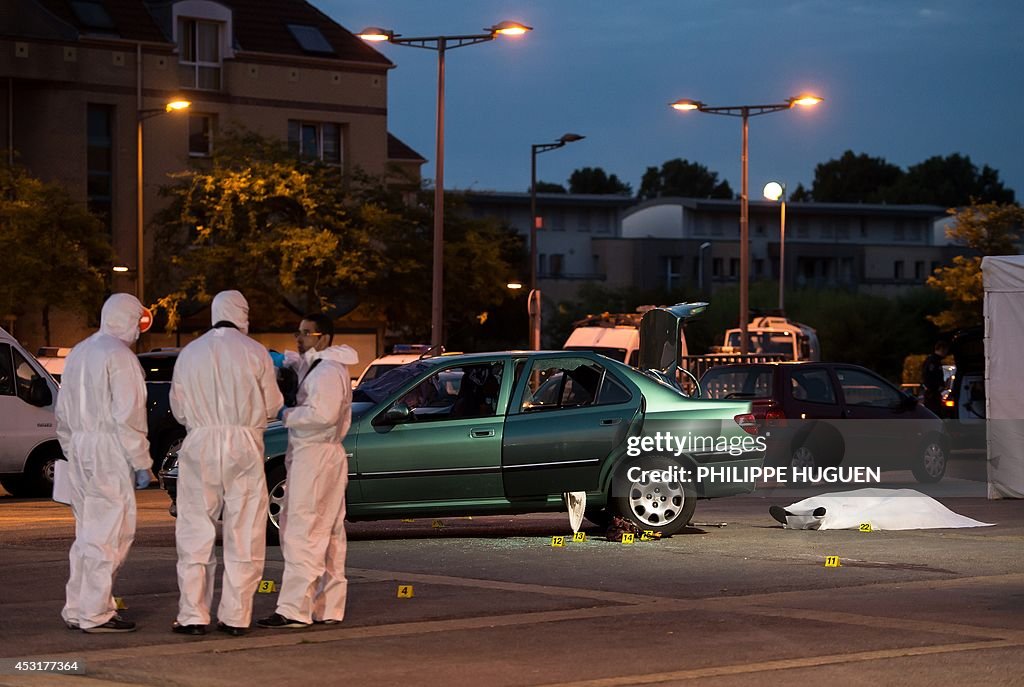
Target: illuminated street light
x=440, y=44
x=745, y=112
x=177, y=105
x=535, y=313
x=773, y=190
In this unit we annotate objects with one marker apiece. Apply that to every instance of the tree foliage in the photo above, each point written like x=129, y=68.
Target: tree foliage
x=949, y=181
x=987, y=229
x=595, y=180
x=298, y=237
x=681, y=177
x=549, y=187
x=53, y=252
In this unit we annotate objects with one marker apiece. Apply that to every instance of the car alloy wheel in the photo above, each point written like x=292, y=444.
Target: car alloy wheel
x=277, y=484
x=656, y=503
x=803, y=457
x=931, y=466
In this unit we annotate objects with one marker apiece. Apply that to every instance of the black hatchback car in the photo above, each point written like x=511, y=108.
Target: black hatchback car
x=831, y=414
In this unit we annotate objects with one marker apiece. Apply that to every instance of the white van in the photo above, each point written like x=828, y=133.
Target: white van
x=616, y=335
x=773, y=334
x=28, y=428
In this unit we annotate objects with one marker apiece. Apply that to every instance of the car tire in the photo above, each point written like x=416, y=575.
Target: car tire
x=276, y=485
x=38, y=477
x=170, y=442
x=664, y=507
x=930, y=464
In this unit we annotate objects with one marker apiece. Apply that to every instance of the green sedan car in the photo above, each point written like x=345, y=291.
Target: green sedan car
x=511, y=432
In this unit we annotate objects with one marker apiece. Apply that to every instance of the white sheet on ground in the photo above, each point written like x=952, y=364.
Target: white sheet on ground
x=883, y=509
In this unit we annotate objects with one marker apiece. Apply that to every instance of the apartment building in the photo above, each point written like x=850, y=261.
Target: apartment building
x=84, y=84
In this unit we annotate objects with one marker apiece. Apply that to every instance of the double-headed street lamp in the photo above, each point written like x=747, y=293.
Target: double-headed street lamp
x=142, y=115
x=533, y=302
x=440, y=44
x=773, y=190
x=746, y=112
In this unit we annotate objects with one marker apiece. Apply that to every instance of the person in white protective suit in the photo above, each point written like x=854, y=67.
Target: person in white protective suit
x=223, y=391
x=101, y=426
x=314, y=587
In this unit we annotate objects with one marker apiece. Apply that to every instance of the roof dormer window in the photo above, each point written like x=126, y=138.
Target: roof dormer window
x=310, y=39
x=199, y=49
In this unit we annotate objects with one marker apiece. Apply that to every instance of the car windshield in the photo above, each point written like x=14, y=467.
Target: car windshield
x=158, y=368
x=754, y=381
x=375, y=371
x=380, y=388
x=766, y=342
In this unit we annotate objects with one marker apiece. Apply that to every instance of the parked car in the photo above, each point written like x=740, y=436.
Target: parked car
x=164, y=432
x=827, y=414
x=52, y=359
x=510, y=432
x=401, y=354
x=28, y=428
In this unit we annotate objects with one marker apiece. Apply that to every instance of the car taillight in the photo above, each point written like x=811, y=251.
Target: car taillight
x=747, y=422
x=775, y=416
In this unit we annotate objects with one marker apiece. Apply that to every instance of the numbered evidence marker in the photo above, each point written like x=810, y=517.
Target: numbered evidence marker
x=648, y=535
x=865, y=527
x=832, y=562
x=437, y=524
x=119, y=603
x=579, y=536
x=558, y=541
x=266, y=587
x=628, y=537
x=405, y=591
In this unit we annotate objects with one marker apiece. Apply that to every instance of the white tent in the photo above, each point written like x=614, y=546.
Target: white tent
x=1003, y=278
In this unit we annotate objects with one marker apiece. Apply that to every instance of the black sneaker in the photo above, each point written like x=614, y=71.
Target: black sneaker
x=71, y=625
x=115, y=624
x=328, y=621
x=278, y=621
x=188, y=629
x=779, y=513
x=232, y=630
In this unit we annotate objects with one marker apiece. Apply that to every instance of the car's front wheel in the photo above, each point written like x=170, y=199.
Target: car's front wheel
x=930, y=464
x=664, y=506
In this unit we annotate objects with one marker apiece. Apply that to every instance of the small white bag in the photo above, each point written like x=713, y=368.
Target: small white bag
x=61, y=486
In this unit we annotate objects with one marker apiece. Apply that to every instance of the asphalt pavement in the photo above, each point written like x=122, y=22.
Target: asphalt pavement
x=733, y=600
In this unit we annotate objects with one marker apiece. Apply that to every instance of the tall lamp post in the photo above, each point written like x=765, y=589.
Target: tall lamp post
x=140, y=217
x=533, y=302
x=745, y=112
x=773, y=190
x=440, y=44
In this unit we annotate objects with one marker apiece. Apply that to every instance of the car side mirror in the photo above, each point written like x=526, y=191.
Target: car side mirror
x=397, y=414
x=39, y=393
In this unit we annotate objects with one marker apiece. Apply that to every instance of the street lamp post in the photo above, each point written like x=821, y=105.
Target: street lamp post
x=140, y=217
x=440, y=44
x=745, y=112
x=533, y=303
x=773, y=190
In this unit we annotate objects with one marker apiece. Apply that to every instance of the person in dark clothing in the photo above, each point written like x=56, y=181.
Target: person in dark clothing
x=932, y=378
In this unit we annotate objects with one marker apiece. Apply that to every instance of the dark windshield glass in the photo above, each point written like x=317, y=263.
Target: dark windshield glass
x=376, y=390
x=754, y=381
x=158, y=368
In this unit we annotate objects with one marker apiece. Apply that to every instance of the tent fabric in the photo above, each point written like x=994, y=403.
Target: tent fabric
x=883, y=509
x=1003, y=278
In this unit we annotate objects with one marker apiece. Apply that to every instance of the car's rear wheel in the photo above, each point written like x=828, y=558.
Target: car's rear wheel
x=276, y=486
x=38, y=477
x=653, y=504
x=820, y=446
x=930, y=464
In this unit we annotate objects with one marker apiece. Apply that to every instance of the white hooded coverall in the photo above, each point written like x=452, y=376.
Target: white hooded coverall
x=314, y=586
x=101, y=425
x=223, y=391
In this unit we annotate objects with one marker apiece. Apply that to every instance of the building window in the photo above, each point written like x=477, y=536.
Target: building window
x=584, y=220
x=716, y=267
x=897, y=270
x=542, y=264
x=557, y=262
x=315, y=141
x=100, y=163
x=827, y=229
x=919, y=274
x=716, y=226
x=199, y=54
x=734, y=268
x=673, y=272
x=802, y=229
x=842, y=229
x=200, y=135
x=758, y=267
x=602, y=223
x=759, y=230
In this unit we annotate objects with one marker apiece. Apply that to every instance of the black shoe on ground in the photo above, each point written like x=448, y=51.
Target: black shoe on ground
x=188, y=629
x=278, y=621
x=71, y=625
x=329, y=621
x=115, y=624
x=232, y=630
x=779, y=513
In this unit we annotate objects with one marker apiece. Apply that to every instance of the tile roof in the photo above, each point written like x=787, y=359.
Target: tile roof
x=259, y=26
x=398, y=150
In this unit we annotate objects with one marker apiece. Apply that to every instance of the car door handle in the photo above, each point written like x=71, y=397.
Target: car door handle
x=608, y=422
x=481, y=433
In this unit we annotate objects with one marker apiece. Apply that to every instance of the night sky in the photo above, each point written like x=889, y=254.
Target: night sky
x=902, y=80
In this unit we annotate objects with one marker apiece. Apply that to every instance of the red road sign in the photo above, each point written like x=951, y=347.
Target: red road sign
x=146, y=321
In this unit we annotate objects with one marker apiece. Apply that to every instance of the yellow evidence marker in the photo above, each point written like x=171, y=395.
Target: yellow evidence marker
x=558, y=541
x=437, y=524
x=119, y=603
x=579, y=536
x=405, y=591
x=865, y=527
x=832, y=562
x=627, y=538
x=266, y=587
